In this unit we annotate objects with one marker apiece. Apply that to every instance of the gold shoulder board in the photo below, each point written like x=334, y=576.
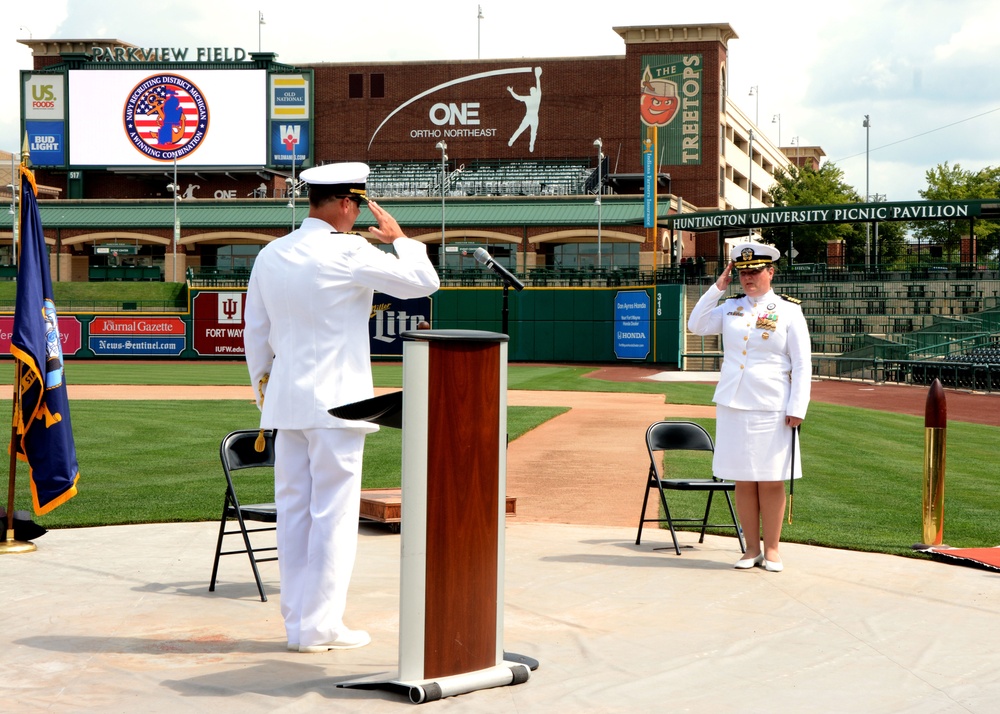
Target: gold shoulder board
x=793, y=300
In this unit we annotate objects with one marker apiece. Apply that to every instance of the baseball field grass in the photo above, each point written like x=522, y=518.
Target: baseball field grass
x=157, y=461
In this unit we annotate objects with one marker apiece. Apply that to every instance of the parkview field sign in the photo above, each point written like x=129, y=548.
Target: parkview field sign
x=839, y=213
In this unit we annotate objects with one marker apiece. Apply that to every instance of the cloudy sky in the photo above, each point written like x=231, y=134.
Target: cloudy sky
x=923, y=70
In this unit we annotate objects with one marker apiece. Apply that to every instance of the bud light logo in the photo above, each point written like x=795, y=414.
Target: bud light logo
x=166, y=117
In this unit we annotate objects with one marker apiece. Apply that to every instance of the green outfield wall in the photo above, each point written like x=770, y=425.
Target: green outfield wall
x=564, y=324
x=641, y=324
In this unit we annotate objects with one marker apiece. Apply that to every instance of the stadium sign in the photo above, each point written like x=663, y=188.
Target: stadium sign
x=632, y=324
x=840, y=213
x=167, y=54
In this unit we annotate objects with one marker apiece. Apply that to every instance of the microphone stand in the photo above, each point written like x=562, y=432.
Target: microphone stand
x=503, y=310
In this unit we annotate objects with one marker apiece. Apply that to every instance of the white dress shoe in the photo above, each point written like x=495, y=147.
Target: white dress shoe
x=773, y=567
x=293, y=647
x=347, y=640
x=747, y=563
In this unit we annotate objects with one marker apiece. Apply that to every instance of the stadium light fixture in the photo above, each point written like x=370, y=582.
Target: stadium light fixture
x=600, y=158
x=175, y=189
x=867, y=124
x=444, y=157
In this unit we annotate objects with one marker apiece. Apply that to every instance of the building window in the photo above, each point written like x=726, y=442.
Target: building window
x=356, y=86
x=581, y=255
x=231, y=258
x=378, y=86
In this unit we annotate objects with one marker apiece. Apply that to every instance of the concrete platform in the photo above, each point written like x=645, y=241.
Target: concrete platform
x=119, y=619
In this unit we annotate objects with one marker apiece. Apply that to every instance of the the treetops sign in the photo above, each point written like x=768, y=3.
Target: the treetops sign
x=839, y=213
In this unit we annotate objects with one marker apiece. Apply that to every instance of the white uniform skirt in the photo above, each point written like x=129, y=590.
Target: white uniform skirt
x=753, y=446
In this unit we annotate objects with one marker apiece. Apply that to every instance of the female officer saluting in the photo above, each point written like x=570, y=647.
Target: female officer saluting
x=762, y=395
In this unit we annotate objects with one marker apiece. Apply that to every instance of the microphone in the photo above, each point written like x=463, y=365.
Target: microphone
x=482, y=256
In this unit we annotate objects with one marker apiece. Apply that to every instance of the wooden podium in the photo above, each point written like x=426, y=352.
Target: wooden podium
x=454, y=421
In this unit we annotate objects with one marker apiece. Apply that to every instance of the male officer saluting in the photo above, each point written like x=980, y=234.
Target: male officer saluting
x=307, y=311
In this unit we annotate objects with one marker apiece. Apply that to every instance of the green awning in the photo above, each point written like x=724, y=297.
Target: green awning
x=463, y=212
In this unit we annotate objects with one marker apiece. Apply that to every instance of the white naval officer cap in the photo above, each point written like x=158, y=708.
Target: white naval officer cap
x=753, y=255
x=347, y=178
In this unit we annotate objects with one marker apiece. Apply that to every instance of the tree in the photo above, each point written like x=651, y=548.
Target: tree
x=951, y=183
x=805, y=186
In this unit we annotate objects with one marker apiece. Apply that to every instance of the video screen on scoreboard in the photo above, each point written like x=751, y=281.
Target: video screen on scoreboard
x=150, y=117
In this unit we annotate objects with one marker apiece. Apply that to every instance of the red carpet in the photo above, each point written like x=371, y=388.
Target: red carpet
x=988, y=558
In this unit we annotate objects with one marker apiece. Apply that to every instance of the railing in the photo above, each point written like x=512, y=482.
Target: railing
x=214, y=278
x=907, y=269
x=542, y=277
x=102, y=306
x=976, y=376
x=122, y=273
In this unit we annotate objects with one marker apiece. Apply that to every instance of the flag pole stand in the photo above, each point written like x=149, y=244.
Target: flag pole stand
x=16, y=546
x=10, y=545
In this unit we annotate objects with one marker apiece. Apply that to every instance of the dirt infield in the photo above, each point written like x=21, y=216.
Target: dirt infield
x=973, y=407
x=588, y=466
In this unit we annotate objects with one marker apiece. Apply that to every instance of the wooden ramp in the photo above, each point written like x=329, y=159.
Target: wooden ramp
x=383, y=505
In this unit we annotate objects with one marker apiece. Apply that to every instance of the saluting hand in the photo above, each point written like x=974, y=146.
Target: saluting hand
x=387, y=230
x=727, y=276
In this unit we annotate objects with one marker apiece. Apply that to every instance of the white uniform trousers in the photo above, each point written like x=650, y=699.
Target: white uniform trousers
x=317, y=489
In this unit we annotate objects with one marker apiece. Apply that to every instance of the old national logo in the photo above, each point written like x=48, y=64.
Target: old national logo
x=166, y=117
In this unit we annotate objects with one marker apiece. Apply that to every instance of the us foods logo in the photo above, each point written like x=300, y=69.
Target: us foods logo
x=166, y=117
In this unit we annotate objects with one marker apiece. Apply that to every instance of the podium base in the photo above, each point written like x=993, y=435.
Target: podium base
x=515, y=670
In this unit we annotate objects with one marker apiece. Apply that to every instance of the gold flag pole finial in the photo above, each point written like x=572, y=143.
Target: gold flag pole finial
x=260, y=444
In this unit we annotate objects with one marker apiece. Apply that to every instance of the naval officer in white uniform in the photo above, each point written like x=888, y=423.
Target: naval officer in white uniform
x=307, y=310
x=762, y=395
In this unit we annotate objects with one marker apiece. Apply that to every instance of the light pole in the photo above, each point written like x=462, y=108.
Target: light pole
x=292, y=190
x=260, y=22
x=750, y=173
x=175, y=188
x=755, y=92
x=444, y=157
x=776, y=119
x=600, y=159
x=15, y=189
x=868, y=227
x=479, y=32
x=795, y=143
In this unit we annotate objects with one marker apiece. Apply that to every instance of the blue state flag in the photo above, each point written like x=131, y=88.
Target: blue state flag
x=44, y=433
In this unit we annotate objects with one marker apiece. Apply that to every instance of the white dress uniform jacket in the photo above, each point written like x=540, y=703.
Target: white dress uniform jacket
x=312, y=340
x=767, y=363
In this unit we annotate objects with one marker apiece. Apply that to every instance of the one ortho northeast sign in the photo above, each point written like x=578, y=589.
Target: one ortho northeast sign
x=632, y=308
x=986, y=209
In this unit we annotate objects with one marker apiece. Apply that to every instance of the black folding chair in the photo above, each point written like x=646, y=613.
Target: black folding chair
x=238, y=452
x=683, y=436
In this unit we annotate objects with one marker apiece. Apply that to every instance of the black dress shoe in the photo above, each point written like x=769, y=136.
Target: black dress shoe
x=25, y=529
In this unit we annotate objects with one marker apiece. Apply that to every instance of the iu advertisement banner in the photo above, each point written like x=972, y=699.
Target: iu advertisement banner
x=43, y=431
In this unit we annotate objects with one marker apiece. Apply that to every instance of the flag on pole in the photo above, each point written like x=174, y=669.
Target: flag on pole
x=43, y=432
